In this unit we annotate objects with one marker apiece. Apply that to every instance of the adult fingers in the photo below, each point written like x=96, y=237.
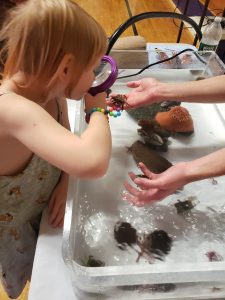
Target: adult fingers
x=132, y=199
x=133, y=84
x=132, y=190
x=132, y=175
x=146, y=171
x=142, y=183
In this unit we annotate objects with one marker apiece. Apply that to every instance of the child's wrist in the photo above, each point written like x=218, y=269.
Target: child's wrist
x=108, y=112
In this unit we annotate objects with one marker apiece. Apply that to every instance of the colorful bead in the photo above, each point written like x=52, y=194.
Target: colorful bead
x=114, y=111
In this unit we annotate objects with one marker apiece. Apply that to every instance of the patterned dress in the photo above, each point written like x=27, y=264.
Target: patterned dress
x=22, y=200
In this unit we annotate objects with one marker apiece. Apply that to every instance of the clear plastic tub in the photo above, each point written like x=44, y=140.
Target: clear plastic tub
x=95, y=206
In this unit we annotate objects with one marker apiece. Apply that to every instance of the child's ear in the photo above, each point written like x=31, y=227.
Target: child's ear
x=65, y=68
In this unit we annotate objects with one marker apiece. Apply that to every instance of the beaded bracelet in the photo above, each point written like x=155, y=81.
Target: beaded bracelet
x=114, y=111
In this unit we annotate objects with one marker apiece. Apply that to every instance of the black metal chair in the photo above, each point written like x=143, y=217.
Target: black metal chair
x=149, y=15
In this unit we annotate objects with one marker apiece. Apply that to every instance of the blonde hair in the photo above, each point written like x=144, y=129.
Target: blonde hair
x=39, y=33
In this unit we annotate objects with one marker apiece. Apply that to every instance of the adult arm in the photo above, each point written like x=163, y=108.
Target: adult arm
x=159, y=186
x=149, y=90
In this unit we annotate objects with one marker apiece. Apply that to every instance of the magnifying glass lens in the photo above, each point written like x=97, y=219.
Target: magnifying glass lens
x=106, y=74
x=102, y=73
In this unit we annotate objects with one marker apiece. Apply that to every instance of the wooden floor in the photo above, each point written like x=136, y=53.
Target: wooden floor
x=23, y=296
x=111, y=13
x=216, y=6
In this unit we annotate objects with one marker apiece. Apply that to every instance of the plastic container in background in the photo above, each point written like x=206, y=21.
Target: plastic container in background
x=94, y=206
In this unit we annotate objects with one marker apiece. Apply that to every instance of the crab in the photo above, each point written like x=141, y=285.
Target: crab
x=92, y=262
x=125, y=234
x=185, y=206
x=119, y=101
x=155, y=244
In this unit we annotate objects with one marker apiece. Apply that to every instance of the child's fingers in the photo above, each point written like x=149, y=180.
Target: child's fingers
x=51, y=202
x=61, y=223
x=53, y=212
x=56, y=217
x=58, y=222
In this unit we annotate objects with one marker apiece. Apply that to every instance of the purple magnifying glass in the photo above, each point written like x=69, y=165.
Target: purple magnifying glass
x=106, y=75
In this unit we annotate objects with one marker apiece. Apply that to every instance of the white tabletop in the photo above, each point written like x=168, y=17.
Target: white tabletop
x=50, y=276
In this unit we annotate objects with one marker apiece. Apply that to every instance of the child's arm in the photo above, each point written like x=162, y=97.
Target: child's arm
x=86, y=156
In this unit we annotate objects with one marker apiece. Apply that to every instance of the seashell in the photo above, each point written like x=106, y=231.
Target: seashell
x=169, y=104
x=154, y=140
x=153, y=161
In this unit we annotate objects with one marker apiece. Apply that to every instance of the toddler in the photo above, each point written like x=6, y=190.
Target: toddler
x=53, y=48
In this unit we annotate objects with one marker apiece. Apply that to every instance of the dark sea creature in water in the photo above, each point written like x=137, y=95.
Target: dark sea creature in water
x=159, y=288
x=150, y=288
x=125, y=234
x=150, y=126
x=92, y=262
x=153, y=134
x=185, y=206
x=214, y=256
x=214, y=181
x=200, y=78
x=155, y=244
x=153, y=161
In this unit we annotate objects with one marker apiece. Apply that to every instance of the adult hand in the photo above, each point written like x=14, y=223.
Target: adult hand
x=143, y=93
x=156, y=186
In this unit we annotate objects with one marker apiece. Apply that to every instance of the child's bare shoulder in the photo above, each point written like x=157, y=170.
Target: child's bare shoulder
x=15, y=109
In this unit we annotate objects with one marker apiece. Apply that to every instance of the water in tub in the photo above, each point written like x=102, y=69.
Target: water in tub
x=197, y=234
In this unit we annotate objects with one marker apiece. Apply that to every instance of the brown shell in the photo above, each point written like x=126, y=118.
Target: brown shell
x=153, y=161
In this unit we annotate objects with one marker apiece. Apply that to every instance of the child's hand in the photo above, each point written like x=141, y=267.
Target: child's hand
x=98, y=100
x=57, y=204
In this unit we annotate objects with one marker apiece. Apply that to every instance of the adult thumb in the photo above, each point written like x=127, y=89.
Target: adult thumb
x=133, y=84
